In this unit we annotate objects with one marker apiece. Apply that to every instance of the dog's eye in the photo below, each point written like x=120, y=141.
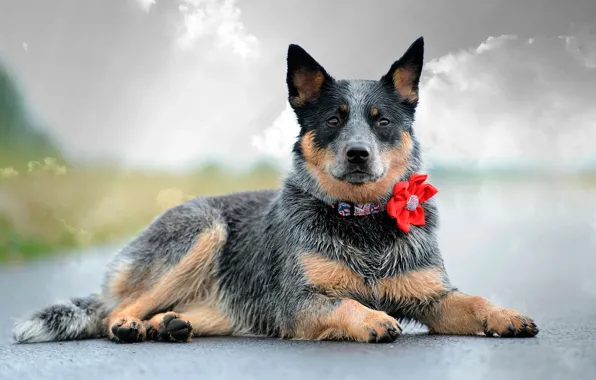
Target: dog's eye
x=333, y=122
x=384, y=122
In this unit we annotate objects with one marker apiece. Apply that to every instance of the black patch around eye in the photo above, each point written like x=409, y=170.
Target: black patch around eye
x=383, y=122
x=333, y=121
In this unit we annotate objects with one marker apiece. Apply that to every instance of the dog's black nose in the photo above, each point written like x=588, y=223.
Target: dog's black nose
x=357, y=154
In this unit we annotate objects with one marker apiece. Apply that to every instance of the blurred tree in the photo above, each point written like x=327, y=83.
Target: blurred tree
x=21, y=139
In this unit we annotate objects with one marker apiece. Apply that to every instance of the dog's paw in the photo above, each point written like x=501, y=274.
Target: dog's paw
x=171, y=328
x=508, y=323
x=127, y=330
x=378, y=327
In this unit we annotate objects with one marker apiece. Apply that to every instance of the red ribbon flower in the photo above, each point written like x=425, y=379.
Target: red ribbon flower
x=405, y=204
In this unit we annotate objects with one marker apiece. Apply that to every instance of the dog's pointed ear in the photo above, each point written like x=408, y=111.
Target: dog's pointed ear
x=404, y=74
x=305, y=76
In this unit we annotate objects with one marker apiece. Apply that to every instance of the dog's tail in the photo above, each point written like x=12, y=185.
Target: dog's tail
x=79, y=318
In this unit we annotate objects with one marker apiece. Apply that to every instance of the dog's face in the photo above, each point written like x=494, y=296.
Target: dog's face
x=356, y=136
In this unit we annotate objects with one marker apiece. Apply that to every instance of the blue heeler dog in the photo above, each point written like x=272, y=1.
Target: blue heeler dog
x=320, y=258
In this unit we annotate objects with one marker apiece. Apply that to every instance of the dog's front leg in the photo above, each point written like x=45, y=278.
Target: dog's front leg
x=323, y=318
x=461, y=314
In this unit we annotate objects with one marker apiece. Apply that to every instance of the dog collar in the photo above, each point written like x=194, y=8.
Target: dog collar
x=357, y=209
x=405, y=206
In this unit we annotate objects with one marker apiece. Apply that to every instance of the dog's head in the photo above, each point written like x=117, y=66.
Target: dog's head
x=356, y=138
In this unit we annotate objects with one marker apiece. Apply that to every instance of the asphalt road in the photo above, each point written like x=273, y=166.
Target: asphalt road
x=531, y=247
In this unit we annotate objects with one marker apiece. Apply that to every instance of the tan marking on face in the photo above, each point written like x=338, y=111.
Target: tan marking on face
x=344, y=108
x=319, y=160
x=374, y=112
x=307, y=83
x=313, y=155
x=398, y=157
x=404, y=82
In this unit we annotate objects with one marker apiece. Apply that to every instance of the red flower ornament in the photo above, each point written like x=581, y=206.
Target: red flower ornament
x=405, y=204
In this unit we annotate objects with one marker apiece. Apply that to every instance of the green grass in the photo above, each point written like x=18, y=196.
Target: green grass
x=46, y=208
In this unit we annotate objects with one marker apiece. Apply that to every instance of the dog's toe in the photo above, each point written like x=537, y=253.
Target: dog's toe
x=174, y=329
x=507, y=323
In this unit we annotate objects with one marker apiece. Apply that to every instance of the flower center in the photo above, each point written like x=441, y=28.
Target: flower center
x=412, y=203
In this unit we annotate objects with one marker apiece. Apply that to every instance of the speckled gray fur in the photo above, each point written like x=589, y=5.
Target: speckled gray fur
x=259, y=277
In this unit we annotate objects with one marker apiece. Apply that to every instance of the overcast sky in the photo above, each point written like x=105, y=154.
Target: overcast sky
x=170, y=83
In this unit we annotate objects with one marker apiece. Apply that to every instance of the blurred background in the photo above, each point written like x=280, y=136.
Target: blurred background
x=112, y=111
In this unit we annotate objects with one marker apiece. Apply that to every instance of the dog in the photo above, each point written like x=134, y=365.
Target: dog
x=321, y=258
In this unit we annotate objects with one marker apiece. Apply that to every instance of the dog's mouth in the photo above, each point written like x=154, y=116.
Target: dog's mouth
x=358, y=177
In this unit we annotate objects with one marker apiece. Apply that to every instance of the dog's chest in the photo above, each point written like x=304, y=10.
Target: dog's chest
x=379, y=255
x=337, y=279
x=382, y=275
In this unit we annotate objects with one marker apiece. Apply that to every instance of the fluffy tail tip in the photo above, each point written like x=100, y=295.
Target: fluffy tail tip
x=79, y=318
x=32, y=330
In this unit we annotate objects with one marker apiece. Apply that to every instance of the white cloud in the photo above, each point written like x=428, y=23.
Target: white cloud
x=493, y=43
x=277, y=140
x=582, y=45
x=26, y=47
x=217, y=19
x=508, y=101
x=146, y=4
x=189, y=108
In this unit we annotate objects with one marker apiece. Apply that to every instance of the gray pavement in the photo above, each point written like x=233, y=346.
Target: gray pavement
x=529, y=246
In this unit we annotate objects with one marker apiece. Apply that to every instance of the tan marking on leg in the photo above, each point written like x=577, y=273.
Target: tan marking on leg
x=154, y=322
x=207, y=320
x=332, y=277
x=337, y=280
x=190, y=280
x=118, y=286
x=348, y=320
x=423, y=285
x=461, y=314
x=318, y=162
x=121, y=287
